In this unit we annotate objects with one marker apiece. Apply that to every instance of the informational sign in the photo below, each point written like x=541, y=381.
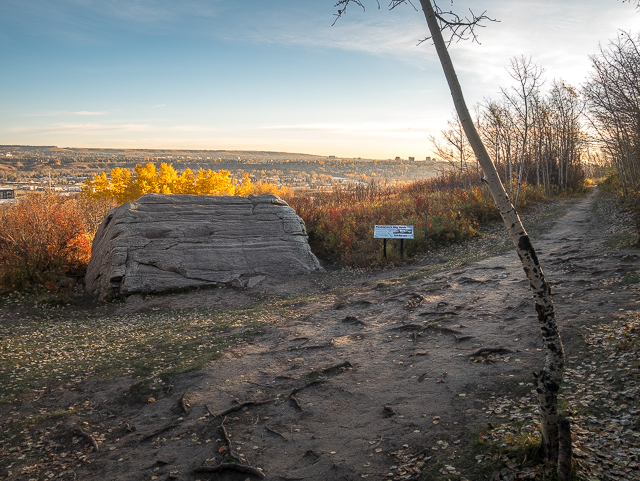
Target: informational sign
x=393, y=232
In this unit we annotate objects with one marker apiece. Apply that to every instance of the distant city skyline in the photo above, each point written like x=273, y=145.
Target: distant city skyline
x=255, y=75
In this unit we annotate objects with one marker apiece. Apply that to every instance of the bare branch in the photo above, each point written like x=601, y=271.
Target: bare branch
x=342, y=8
x=394, y=3
x=632, y=2
x=454, y=27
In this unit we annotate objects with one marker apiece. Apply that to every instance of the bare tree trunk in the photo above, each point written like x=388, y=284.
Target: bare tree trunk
x=549, y=378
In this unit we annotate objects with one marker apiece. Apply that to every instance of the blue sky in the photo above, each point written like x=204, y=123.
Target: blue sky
x=267, y=75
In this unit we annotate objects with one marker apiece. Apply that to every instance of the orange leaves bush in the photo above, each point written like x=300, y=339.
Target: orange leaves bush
x=41, y=236
x=443, y=210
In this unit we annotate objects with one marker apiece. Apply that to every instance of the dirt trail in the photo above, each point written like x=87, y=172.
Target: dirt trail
x=383, y=365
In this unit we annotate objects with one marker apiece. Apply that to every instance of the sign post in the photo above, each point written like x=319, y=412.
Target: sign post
x=385, y=232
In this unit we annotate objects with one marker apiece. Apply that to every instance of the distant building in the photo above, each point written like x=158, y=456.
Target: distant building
x=7, y=194
x=398, y=159
x=412, y=159
x=331, y=157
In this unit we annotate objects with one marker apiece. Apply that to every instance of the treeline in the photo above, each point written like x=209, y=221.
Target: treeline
x=533, y=137
x=123, y=185
x=612, y=95
x=555, y=135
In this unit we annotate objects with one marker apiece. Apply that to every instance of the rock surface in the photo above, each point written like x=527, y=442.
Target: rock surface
x=161, y=242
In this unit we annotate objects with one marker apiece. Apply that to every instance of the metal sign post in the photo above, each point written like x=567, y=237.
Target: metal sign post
x=385, y=232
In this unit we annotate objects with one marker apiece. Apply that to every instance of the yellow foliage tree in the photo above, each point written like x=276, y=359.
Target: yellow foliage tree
x=101, y=184
x=146, y=180
x=214, y=183
x=186, y=183
x=244, y=189
x=120, y=184
x=168, y=180
x=125, y=186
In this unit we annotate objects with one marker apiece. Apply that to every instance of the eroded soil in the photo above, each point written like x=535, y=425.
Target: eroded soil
x=364, y=365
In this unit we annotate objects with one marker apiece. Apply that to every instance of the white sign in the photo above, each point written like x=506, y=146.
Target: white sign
x=393, y=232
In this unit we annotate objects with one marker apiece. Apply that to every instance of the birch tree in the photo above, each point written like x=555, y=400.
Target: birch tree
x=549, y=378
x=613, y=99
x=525, y=94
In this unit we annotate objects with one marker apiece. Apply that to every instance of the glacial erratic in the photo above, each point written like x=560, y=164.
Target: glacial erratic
x=163, y=242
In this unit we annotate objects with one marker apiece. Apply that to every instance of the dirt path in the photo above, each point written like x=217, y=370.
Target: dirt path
x=391, y=364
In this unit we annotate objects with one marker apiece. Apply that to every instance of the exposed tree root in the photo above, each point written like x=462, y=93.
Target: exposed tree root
x=293, y=393
x=463, y=338
x=239, y=407
x=296, y=402
x=485, y=351
x=408, y=327
x=353, y=320
x=443, y=313
x=227, y=441
x=241, y=468
x=314, y=346
x=446, y=330
x=335, y=369
x=270, y=429
x=313, y=383
x=159, y=431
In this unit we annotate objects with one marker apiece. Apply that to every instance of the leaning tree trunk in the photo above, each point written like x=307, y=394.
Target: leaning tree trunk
x=549, y=378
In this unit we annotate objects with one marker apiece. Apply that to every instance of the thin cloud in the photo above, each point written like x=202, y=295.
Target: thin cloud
x=373, y=34
x=61, y=113
x=361, y=129
x=86, y=113
x=89, y=21
x=78, y=128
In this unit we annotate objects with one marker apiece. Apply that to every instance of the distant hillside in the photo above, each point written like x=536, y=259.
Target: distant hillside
x=93, y=153
x=61, y=165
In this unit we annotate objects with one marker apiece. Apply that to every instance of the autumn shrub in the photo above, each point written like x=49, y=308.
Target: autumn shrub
x=41, y=236
x=627, y=194
x=93, y=211
x=611, y=182
x=443, y=210
x=530, y=195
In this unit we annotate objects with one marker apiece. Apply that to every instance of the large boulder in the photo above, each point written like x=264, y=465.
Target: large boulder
x=161, y=242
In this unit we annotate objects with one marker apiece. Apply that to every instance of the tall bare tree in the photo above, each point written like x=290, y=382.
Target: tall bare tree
x=455, y=150
x=549, y=378
x=522, y=99
x=534, y=137
x=613, y=99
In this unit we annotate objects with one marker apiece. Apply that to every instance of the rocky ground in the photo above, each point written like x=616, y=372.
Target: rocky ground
x=417, y=372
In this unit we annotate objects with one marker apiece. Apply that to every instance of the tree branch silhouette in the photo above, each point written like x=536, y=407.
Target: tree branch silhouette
x=453, y=26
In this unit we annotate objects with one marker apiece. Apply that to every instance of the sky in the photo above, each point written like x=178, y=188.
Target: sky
x=269, y=75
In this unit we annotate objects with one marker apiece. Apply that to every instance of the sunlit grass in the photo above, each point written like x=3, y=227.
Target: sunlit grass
x=44, y=353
